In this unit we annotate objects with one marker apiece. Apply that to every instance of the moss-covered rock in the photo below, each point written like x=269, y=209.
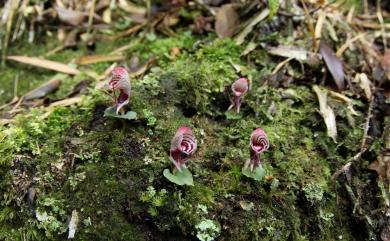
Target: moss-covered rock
x=110, y=170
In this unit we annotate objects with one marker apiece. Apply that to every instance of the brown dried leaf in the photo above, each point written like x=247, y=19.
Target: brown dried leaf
x=71, y=37
x=289, y=51
x=92, y=59
x=226, y=21
x=71, y=17
x=43, y=90
x=334, y=64
x=43, y=63
x=326, y=112
x=80, y=88
x=141, y=69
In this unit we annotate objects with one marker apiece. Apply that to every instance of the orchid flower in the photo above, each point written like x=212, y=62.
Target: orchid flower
x=120, y=80
x=239, y=88
x=183, y=145
x=259, y=143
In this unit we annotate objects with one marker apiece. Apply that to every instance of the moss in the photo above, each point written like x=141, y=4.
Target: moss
x=110, y=170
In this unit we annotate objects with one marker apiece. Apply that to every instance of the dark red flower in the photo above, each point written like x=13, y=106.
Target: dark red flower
x=259, y=143
x=239, y=88
x=183, y=145
x=120, y=80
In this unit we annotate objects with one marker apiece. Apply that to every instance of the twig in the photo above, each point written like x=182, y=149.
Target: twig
x=356, y=159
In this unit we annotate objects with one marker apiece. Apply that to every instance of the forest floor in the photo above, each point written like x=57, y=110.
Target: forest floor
x=319, y=87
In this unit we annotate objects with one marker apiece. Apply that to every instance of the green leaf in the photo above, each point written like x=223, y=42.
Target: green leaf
x=111, y=112
x=257, y=174
x=183, y=177
x=273, y=6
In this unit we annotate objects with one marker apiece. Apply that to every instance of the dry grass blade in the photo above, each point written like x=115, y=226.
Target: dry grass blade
x=92, y=59
x=326, y=113
x=334, y=64
x=344, y=47
x=318, y=29
x=46, y=64
x=226, y=21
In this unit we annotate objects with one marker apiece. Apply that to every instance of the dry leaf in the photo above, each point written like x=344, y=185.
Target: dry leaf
x=226, y=21
x=43, y=90
x=340, y=97
x=67, y=102
x=4, y=122
x=131, y=8
x=92, y=59
x=334, y=64
x=43, y=63
x=326, y=112
x=80, y=88
x=296, y=52
x=137, y=70
x=71, y=38
x=71, y=17
x=381, y=166
x=318, y=29
x=107, y=15
x=364, y=83
x=257, y=19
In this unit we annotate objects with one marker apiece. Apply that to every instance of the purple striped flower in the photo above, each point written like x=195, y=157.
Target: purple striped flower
x=259, y=143
x=120, y=80
x=239, y=88
x=183, y=145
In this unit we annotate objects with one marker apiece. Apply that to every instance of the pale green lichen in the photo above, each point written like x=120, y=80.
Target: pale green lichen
x=207, y=230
